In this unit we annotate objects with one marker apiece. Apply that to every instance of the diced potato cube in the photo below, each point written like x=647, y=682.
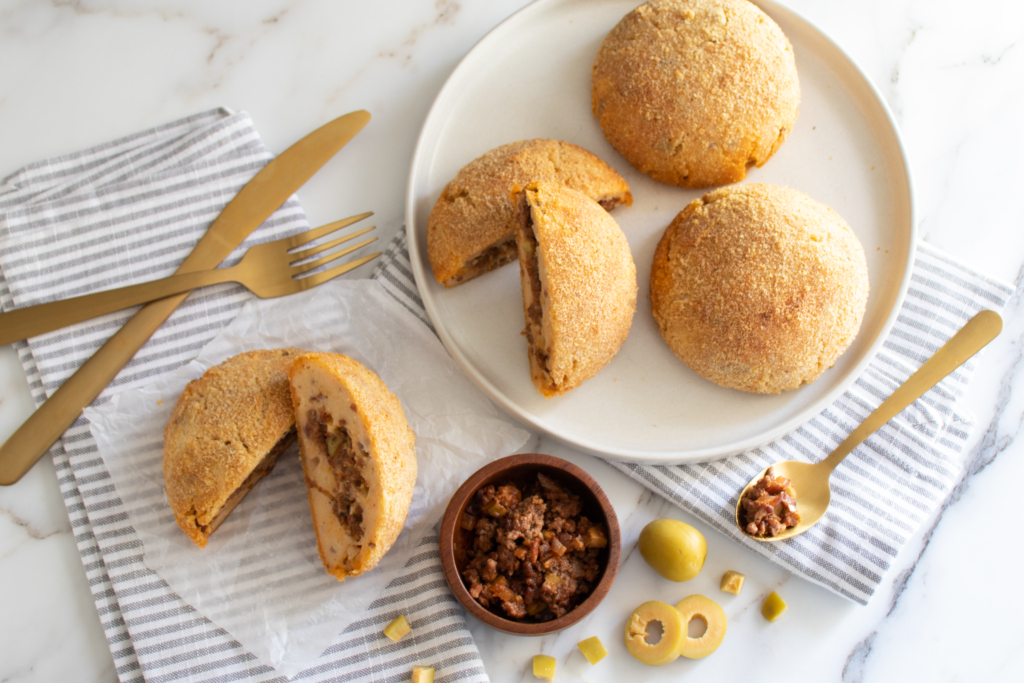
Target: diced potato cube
x=544, y=667
x=773, y=606
x=423, y=674
x=593, y=649
x=398, y=628
x=732, y=582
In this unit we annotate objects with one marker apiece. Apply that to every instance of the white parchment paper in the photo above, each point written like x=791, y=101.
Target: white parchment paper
x=260, y=578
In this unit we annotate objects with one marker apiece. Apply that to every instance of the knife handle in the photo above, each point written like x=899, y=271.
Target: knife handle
x=31, y=321
x=257, y=200
x=23, y=448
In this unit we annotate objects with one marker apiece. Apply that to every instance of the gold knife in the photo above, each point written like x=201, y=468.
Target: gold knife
x=260, y=197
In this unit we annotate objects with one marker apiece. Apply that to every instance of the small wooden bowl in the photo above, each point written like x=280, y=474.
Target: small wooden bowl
x=521, y=468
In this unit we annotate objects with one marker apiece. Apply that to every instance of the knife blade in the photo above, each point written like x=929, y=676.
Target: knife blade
x=254, y=203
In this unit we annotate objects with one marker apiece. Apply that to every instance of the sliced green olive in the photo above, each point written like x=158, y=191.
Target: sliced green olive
x=697, y=607
x=666, y=649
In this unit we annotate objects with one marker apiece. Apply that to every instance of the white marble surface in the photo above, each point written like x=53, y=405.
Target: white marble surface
x=82, y=72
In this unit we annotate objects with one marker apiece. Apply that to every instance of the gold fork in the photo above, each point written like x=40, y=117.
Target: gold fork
x=267, y=270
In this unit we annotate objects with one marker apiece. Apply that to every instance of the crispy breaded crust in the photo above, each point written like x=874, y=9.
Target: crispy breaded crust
x=391, y=446
x=222, y=427
x=693, y=92
x=758, y=287
x=474, y=211
x=587, y=286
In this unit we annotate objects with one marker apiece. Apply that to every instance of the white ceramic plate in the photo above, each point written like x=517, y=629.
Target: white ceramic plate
x=530, y=78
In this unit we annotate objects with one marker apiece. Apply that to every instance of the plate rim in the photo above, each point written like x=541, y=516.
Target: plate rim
x=704, y=454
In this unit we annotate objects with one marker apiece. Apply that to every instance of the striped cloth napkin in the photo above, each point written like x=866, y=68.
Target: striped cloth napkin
x=129, y=211
x=890, y=485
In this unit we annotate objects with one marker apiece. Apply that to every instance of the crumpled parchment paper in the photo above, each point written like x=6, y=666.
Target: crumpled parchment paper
x=261, y=578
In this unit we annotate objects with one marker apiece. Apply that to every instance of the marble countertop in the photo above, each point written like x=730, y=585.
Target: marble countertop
x=83, y=72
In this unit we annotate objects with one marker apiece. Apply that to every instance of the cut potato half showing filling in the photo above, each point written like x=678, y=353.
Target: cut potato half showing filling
x=359, y=460
x=579, y=285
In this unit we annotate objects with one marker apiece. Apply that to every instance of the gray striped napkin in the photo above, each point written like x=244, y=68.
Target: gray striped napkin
x=889, y=486
x=129, y=211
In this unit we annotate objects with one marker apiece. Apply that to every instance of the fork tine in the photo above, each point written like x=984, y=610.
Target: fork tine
x=316, y=233
x=306, y=267
x=319, y=278
x=313, y=251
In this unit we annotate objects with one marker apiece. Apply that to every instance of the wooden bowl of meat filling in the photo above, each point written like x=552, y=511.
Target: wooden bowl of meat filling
x=530, y=544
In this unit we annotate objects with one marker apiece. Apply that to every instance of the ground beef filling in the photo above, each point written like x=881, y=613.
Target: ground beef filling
x=347, y=459
x=261, y=470
x=532, y=554
x=500, y=253
x=769, y=507
x=489, y=259
x=534, y=312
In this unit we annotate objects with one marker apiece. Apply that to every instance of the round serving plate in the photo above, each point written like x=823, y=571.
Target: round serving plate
x=530, y=78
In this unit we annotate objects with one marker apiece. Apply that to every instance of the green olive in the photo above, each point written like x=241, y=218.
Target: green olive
x=673, y=549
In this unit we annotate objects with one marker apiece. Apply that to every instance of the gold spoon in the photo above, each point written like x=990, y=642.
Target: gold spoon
x=810, y=481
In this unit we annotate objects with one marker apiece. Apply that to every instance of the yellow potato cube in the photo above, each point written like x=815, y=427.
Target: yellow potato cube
x=732, y=582
x=544, y=667
x=398, y=628
x=423, y=674
x=773, y=606
x=593, y=649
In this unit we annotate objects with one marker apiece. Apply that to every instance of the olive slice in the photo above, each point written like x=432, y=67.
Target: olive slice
x=666, y=650
x=713, y=616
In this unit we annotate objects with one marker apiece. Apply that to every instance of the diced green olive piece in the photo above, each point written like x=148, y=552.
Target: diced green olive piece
x=495, y=509
x=732, y=582
x=499, y=589
x=422, y=674
x=673, y=549
x=544, y=667
x=667, y=649
x=398, y=628
x=773, y=607
x=593, y=649
x=333, y=442
x=595, y=538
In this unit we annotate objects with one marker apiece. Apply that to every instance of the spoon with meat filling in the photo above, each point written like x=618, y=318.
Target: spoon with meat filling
x=768, y=508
